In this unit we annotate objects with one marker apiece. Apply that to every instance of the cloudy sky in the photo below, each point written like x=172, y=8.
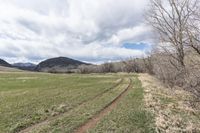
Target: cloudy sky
x=88, y=30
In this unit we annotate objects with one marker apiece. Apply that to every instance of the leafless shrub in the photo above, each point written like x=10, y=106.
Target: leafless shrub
x=165, y=71
x=85, y=69
x=131, y=65
x=193, y=74
x=148, y=65
x=134, y=65
x=107, y=68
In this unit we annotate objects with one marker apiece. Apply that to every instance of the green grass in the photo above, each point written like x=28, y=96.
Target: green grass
x=79, y=115
x=30, y=98
x=129, y=116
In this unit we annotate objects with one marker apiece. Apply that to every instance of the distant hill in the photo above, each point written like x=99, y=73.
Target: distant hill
x=4, y=63
x=25, y=66
x=59, y=64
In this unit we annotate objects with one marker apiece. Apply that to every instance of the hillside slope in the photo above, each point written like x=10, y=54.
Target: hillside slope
x=4, y=63
x=59, y=64
x=24, y=66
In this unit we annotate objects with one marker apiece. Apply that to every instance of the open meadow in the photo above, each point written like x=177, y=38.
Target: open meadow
x=39, y=102
x=100, y=66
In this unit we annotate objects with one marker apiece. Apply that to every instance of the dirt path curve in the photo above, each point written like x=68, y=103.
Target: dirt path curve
x=107, y=109
x=45, y=122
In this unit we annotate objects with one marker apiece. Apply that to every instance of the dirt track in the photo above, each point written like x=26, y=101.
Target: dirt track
x=107, y=109
x=42, y=123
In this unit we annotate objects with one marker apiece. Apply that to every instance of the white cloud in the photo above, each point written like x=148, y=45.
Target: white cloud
x=138, y=33
x=90, y=30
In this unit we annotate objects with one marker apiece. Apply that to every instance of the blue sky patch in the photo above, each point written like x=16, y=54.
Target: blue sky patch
x=138, y=46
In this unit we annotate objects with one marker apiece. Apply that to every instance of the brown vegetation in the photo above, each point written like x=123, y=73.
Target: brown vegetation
x=130, y=65
x=171, y=107
x=176, y=57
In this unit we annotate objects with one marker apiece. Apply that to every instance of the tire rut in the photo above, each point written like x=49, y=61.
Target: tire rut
x=92, y=122
x=45, y=122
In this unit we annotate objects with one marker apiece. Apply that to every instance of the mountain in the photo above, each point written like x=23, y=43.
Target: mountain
x=25, y=66
x=4, y=63
x=59, y=64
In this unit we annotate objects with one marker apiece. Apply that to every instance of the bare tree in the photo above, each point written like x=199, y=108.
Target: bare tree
x=170, y=19
x=193, y=29
x=176, y=59
x=148, y=64
x=134, y=65
x=107, y=67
